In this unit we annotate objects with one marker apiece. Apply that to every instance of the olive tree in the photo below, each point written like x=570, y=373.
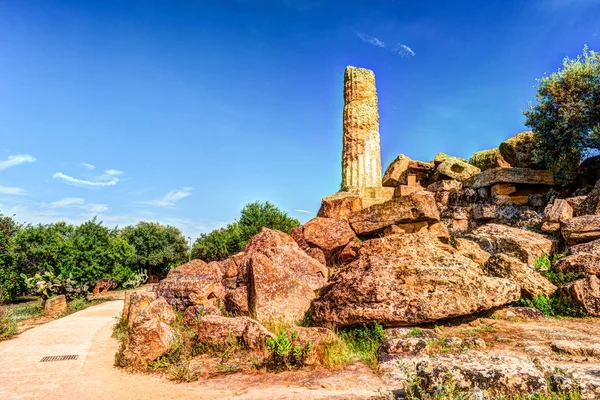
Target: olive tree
x=566, y=117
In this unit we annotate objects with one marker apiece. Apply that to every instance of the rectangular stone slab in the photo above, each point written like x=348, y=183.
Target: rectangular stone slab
x=524, y=176
x=415, y=207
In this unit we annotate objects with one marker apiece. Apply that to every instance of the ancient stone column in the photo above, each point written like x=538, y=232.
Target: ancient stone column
x=361, y=155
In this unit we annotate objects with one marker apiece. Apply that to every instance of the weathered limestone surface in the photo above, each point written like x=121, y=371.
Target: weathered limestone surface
x=581, y=229
x=518, y=150
x=361, y=156
x=526, y=176
x=487, y=159
x=525, y=245
x=408, y=279
x=555, y=213
x=56, y=305
x=415, y=207
x=532, y=283
x=340, y=205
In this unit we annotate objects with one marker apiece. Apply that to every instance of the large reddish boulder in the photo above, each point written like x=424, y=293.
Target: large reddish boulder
x=151, y=335
x=281, y=252
x=281, y=278
x=275, y=293
x=406, y=280
x=327, y=234
x=193, y=283
x=419, y=206
x=148, y=342
x=586, y=293
x=581, y=229
x=340, y=205
x=135, y=303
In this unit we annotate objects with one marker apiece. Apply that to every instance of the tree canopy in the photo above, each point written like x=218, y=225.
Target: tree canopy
x=158, y=248
x=85, y=253
x=566, y=117
x=225, y=242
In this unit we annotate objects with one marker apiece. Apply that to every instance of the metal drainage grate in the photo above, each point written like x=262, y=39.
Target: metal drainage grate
x=59, y=358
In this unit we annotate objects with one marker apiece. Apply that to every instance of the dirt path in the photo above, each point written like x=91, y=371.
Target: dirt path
x=87, y=334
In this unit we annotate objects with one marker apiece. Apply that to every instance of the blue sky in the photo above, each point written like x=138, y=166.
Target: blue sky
x=183, y=111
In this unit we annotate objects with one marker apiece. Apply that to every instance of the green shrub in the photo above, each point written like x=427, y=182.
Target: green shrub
x=8, y=325
x=546, y=267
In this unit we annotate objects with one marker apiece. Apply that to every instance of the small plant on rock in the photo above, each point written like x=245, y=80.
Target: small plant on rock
x=285, y=354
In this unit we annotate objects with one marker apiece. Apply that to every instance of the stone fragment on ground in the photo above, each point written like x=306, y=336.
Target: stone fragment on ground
x=496, y=375
x=519, y=314
x=585, y=293
x=56, y=305
x=151, y=334
x=581, y=229
x=556, y=213
x=522, y=244
x=531, y=282
x=216, y=331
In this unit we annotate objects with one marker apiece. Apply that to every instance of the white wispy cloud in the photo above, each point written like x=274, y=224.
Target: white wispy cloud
x=67, y=202
x=113, y=172
x=370, y=39
x=399, y=48
x=404, y=50
x=305, y=212
x=88, y=166
x=171, y=198
x=101, y=181
x=79, y=204
x=16, y=160
x=11, y=190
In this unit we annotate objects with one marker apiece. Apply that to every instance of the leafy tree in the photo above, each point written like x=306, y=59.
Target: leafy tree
x=93, y=253
x=225, y=242
x=43, y=248
x=158, y=248
x=219, y=244
x=566, y=117
x=10, y=282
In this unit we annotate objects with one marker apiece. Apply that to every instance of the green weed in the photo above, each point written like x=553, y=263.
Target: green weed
x=554, y=305
x=285, y=354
